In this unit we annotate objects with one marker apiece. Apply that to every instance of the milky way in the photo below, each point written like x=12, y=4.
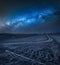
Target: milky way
x=29, y=16
x=28, y=19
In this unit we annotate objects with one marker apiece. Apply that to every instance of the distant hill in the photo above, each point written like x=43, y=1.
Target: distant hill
x=12, y=36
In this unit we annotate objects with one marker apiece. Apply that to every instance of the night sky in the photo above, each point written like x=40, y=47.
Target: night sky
x=29, y=16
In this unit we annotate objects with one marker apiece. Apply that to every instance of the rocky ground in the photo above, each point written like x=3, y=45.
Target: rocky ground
x=47, y=53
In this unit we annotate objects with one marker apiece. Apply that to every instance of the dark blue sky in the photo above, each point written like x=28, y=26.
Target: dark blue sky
x=29, y=16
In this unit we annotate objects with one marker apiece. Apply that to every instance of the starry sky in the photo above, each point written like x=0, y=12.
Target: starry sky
x=29, y=16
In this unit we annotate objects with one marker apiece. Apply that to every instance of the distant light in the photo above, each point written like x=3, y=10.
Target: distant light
x=8, y=23
x=30, y=20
